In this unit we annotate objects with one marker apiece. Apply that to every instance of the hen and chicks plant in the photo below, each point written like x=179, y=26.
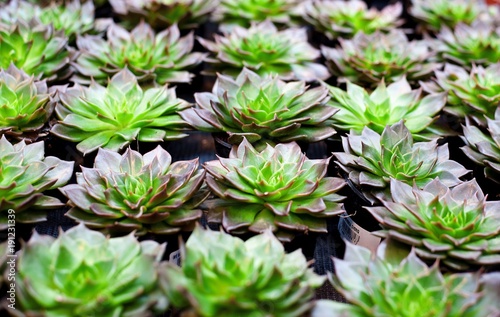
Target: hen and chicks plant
x=456, y=226
x=371, y=160
x=25, y=173
x=263, y=109
x=36, y=49
x=142, y=193
x=265, y=50
x=26, y=104
x=113, y=116
x=387, y=105
x=161, y=58
x=84, y=273
x=223, y=275
x=343, y=19
x=277, y=189
x=393, y=282
x=369, y=59
x=160, y=14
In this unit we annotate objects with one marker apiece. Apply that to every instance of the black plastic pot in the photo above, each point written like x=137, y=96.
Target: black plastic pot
x=333, y=144
x=222, y=146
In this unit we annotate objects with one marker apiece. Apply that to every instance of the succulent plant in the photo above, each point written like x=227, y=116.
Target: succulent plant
x=346, y=18
x=84, y=273
x=161, y=14
x=132, y=192
x=263, y=109
x=467, y=45
x=369, y=59
x=483, y=148
x=161, y=58
x=265, y=50
x=457, y=226
x=395, y=283
x=73, y=17
x=386, y=105
x=277, y=189
x=36, y=49
x=24, y=174
x=474, y=94
x=371, y=160
x=111, y=117
x=223, y=275
x=231, y=13
x=25, y=104
x=434, y=14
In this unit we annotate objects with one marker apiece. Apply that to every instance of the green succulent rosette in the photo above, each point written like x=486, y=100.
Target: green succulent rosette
x=368, y=59
x=159, y=58
x=25, y=104
x=263, y=109
x=141, y=193
x=483, y=146
x=277, y=189
x=160, y=14
x=265, y=50
x=25, y=173
x=343, y=19
x=84, y=273
x=36, y=49
x=111, y=117
x=468, y=45
x=72, y=17
x=223, y=275
x=393, y=282
x=474, y=94
x=243, y=13
x=371, y=159
x=386, y=105
x=435, y=14
x=456, y=226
